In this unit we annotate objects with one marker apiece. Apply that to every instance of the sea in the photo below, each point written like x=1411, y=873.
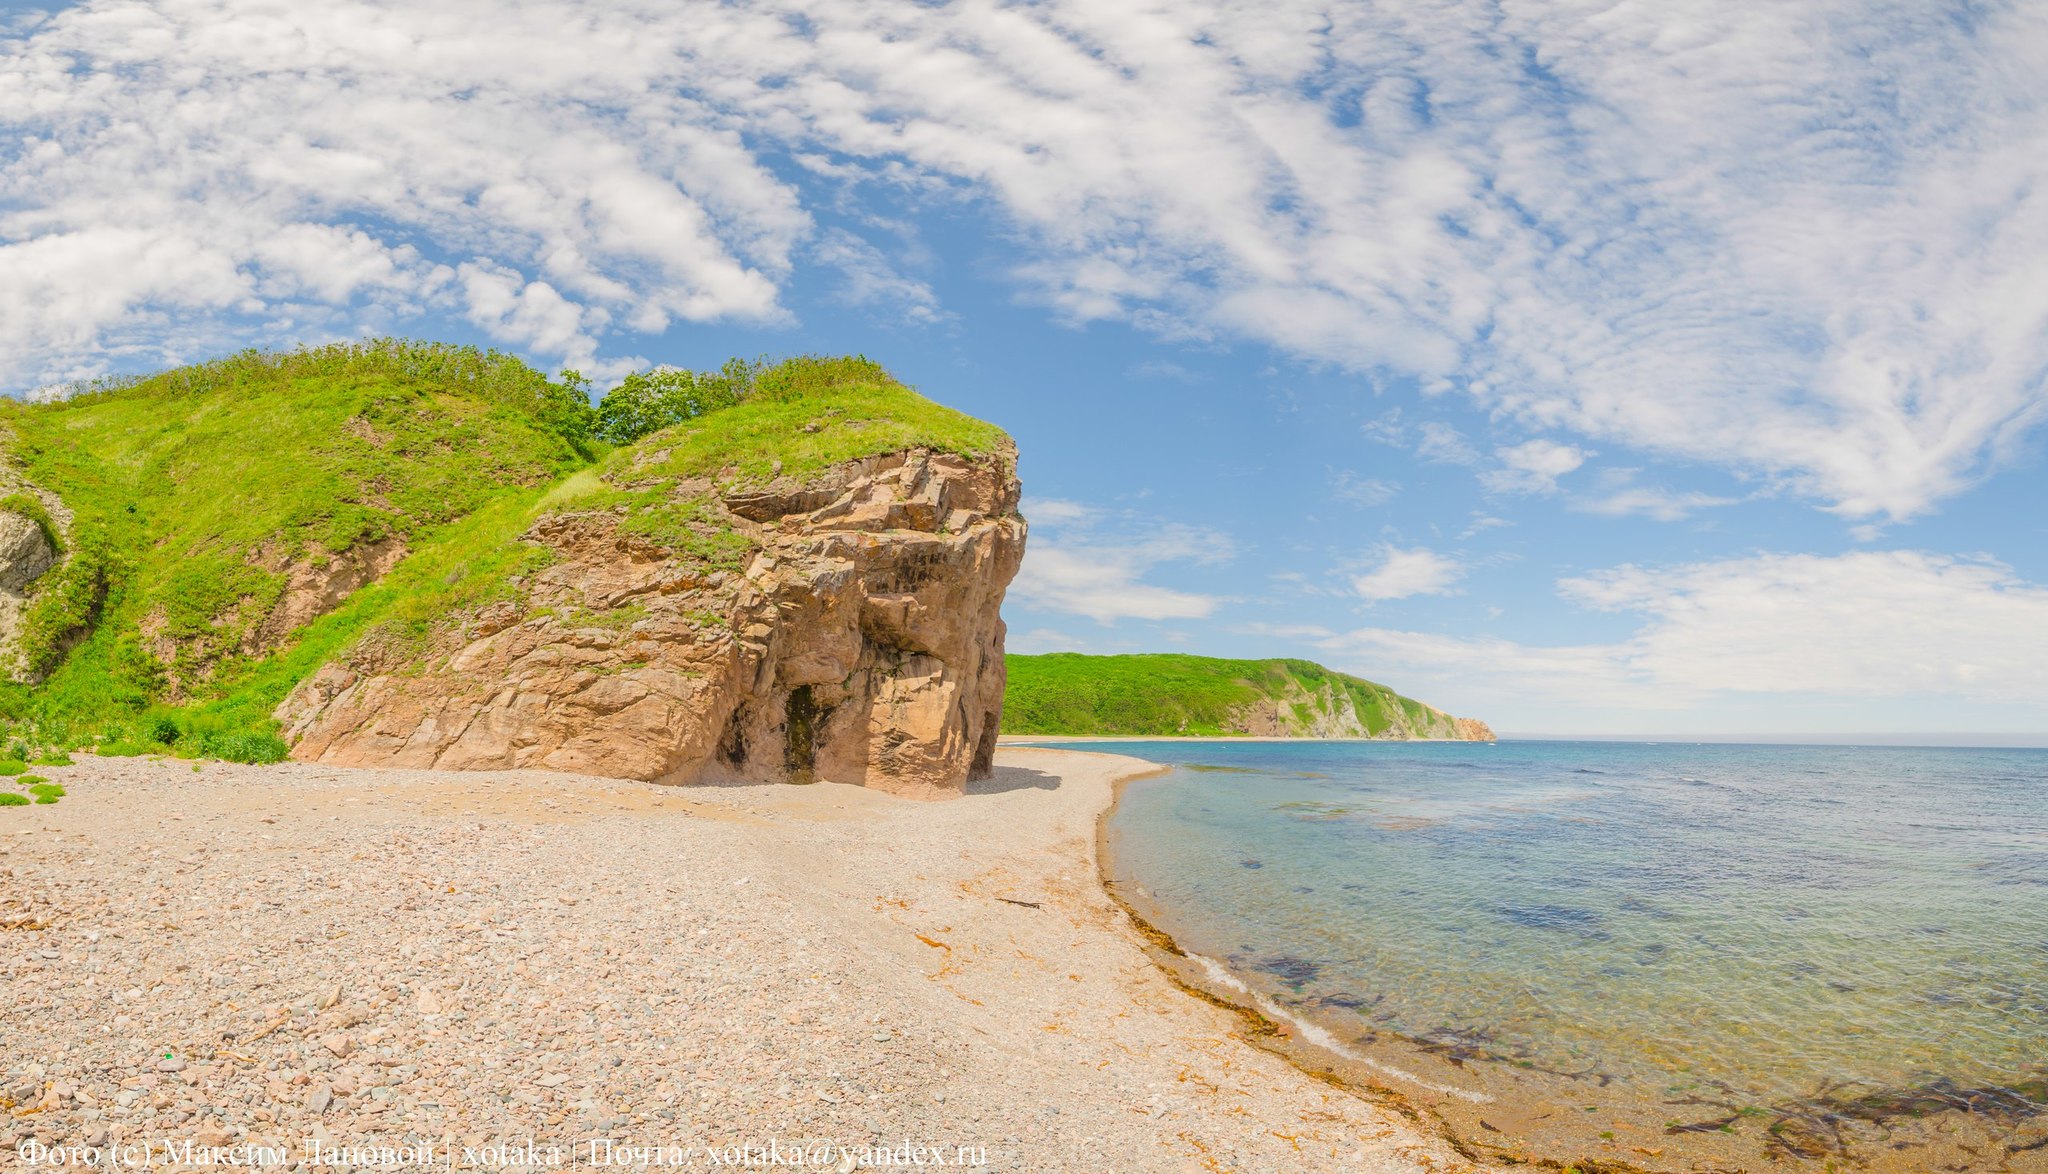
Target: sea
x=1628, y=952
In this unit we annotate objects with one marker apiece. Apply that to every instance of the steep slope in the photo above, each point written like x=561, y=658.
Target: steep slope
x=805, y=585
x=197, y=520
x=1168, y=694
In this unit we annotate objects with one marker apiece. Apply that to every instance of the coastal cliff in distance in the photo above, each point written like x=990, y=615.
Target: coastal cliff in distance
x=1171, y=695
x=410, y=554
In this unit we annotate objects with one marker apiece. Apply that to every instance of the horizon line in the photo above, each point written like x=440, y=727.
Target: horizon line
x=1934, y=739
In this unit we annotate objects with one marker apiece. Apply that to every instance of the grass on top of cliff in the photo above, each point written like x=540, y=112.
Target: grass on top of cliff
x=801, y=417
x=1172, y=694
x=797, y=419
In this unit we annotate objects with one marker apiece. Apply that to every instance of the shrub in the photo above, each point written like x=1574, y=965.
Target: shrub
x=806, y=375
x=245, y=747
x=161, y=728
x=12, y=799
x=124, y=748
x=31, y=780
x=648, y=401
x=47, y=792
x=51, y=758
x=10, y=767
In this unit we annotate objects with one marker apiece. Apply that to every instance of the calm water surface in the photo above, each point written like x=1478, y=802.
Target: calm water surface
x=1775, y=920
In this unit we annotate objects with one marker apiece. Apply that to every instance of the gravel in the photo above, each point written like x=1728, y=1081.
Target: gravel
x=499, y=963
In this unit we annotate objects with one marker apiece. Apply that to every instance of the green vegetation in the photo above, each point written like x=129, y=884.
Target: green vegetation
x=1168, y=694
x=200, y=493
x=794, y=419
x=47, y=792
x=649, y=401
x=9, y=767
x=210, y=503
x=13, y=799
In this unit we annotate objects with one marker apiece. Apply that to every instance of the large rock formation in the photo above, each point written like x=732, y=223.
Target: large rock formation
x=861, y=644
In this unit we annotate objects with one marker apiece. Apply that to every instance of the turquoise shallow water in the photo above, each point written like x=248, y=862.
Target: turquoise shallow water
x=1775, y=921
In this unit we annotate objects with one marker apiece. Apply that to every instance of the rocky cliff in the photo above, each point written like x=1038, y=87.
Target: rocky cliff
x=861, y=642
x=412, y=554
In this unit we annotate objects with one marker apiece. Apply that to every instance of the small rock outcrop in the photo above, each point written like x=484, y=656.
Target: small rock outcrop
x=859, y=642
x=1471, y=729
x=25, y=556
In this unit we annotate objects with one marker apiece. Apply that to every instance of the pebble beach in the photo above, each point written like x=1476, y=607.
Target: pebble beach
x=312, y=967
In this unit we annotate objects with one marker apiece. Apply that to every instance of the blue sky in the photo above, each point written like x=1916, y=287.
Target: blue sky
x=1660, y=368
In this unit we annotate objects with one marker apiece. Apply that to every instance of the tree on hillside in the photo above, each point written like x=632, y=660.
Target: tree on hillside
x=648, y=401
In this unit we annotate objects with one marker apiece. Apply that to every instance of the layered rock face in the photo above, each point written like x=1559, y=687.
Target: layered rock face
x=861, y=643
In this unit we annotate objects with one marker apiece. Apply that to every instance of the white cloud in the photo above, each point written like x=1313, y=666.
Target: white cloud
x=1386, y=429
x=1162, y=369
x=1099, y=572
x=871, y=280
x=1402, y=573
x=173, y=171
x=1363, y=492
x=1891, y=624
x=1532, y=466
x=1053, y=511
x=1039, y=640
x=1646, y=501
x=1101, y=583
x=1795, y=240
x=1445, y=445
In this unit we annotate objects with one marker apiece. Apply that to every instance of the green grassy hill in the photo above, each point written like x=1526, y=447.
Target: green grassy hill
x=226, y=529
x=1167, y=694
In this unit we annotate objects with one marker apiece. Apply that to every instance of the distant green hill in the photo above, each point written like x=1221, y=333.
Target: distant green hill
x=1167, y=694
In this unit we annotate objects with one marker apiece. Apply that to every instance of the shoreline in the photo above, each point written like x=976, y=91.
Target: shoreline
x=1531, y=1103
x=480, y=957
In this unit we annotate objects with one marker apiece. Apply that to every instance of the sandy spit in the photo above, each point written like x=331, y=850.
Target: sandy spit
x=505, y=966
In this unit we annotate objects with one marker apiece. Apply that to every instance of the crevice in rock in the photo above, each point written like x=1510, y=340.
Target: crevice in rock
x=732, y=744
x=802, y=715
x=983, y=764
